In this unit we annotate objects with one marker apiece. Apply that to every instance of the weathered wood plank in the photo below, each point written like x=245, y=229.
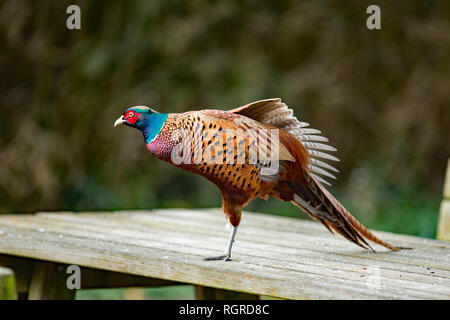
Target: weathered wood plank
x=283, y=238
x=183, y=239
x=191, y=220
x=284, y=255
x=271, y=256
x=443, y=230
x=7, y=284
x=184, y=224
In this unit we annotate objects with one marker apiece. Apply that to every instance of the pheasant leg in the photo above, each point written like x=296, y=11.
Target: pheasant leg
x=227, y=255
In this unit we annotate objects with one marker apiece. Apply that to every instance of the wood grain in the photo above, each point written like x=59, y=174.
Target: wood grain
x=273, y=256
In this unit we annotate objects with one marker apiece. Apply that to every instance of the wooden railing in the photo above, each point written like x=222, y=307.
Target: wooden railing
x=272, y=256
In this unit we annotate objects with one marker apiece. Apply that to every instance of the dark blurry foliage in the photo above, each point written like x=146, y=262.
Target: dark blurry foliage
x=382, y=96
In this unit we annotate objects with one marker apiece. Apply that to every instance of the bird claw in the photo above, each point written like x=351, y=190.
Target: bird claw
x=223, y=257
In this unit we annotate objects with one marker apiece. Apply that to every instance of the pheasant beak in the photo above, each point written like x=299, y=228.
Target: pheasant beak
x=119, y=121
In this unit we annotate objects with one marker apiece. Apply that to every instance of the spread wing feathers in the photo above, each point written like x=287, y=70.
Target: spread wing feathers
x=318, y=203
x=275, y=113
x=248, y=133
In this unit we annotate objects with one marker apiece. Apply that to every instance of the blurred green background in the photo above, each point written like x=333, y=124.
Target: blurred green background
x=381, y=96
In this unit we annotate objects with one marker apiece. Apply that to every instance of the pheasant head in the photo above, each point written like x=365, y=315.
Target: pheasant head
x=145, y=119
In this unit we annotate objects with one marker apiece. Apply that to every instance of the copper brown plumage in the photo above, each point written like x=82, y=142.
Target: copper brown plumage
x=225, y=148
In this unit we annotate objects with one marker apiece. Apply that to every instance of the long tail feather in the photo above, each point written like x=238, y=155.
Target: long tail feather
x=318, y=203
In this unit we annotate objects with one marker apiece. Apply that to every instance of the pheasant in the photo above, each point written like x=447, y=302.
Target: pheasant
x=231, y=149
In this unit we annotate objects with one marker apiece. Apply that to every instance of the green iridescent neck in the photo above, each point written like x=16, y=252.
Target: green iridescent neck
x=151, y=126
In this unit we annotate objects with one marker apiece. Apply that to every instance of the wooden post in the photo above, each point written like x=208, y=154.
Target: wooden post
x=7, y=284
x=22, y=273
x=48, y=282
x=447, y=182
x=443, y=231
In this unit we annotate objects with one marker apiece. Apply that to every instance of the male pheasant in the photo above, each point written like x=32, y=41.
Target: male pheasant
x=226, y=147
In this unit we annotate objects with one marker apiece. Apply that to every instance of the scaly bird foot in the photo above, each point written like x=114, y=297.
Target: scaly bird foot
x=224, y=257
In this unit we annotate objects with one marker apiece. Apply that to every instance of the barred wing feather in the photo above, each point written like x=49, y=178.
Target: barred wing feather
x=276, y=113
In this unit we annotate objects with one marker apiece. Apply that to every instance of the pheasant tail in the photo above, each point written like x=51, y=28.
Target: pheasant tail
x=320, y=205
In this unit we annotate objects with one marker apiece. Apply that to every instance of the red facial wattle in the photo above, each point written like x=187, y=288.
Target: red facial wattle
x=131, y=117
